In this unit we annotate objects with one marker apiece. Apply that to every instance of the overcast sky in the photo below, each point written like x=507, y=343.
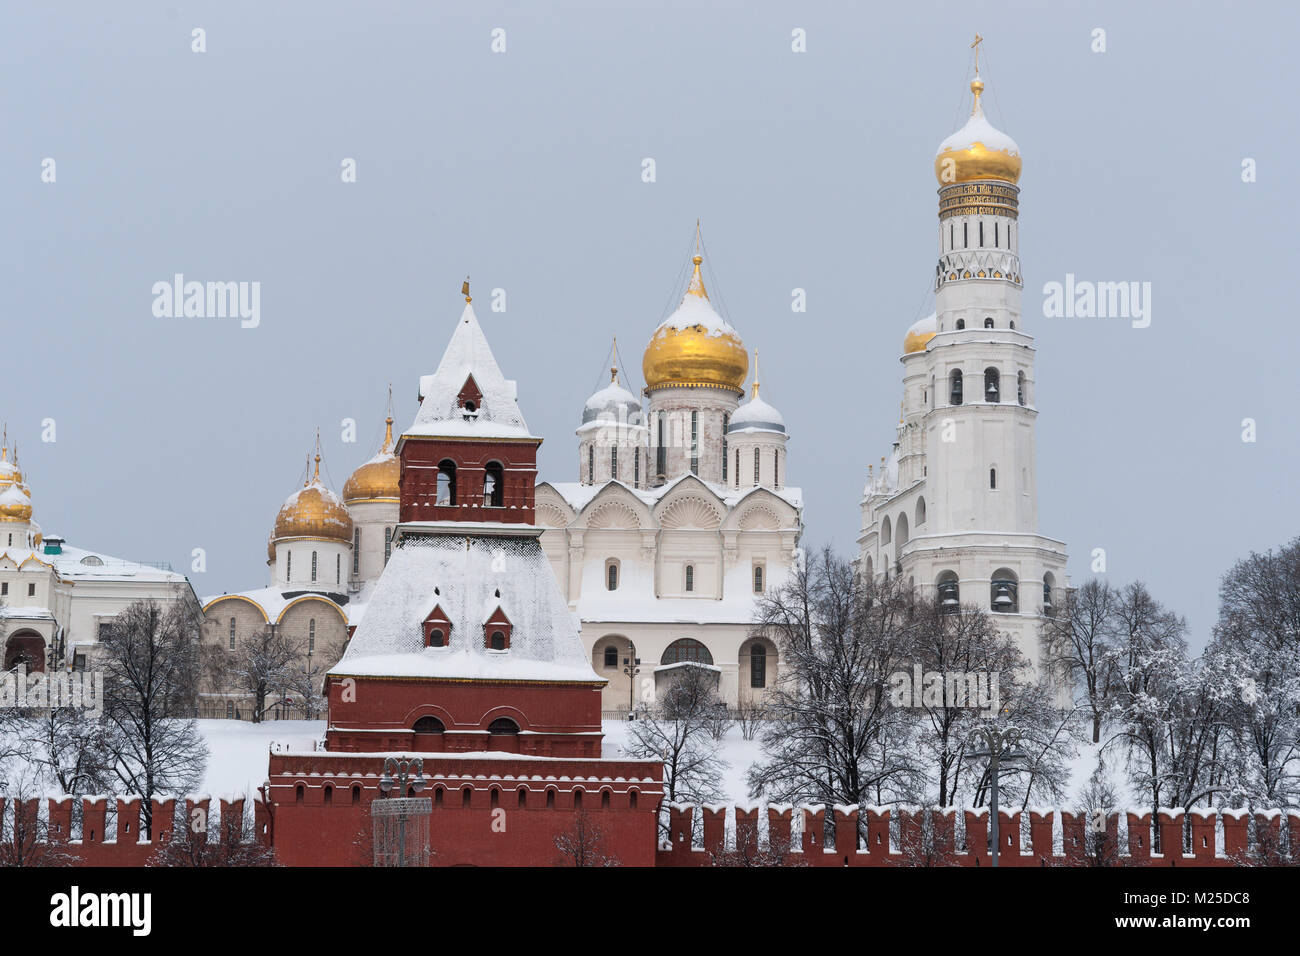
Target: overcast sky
x=810, y=170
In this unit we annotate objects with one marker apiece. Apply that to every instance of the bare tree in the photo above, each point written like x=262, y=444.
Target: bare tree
x=1080, y=649
x=584, y=843
x=150, y=661
x=679, y=731
x=750, y=715
x=834, y=734
x=232, y=842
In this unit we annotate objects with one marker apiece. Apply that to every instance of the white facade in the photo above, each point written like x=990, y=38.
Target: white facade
x=954, y=507
x=664, y=565
x=54, y=598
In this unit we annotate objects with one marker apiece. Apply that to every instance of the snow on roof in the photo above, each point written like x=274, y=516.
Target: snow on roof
x=696, y=310
x=467, y=571
x=756, y=415
x=613, y=403
x=468, y=353
x=14, y=496
x=979, y=130
x=27, y=613
x=578, y=495
x=72, y=564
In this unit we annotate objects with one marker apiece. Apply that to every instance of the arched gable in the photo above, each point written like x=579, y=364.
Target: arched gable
x=550, y=508
x=313, y=597
x=761, y=510
x=236, y=597
x=615, y=506
x=690, y=504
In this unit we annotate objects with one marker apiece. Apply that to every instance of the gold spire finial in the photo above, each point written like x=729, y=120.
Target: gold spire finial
x=388, y=422
x=755, y=393
x=976, y=85
x=696, y=288
x=464, y=290
x=316, y=475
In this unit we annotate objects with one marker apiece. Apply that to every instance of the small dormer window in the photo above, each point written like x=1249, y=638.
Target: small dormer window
x=497, y=629
x=437, y=628
x=93, y=561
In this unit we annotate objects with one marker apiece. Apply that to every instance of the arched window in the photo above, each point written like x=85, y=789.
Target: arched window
x=949, y=592
x=493, y=485
x=988, y=322
x=232, y=633
x=356, y=794
x=388, y=544
x=356, y=550
x=757, y=665
x=901, y=534
x=611, y=656
x=437, y=638
x=503, y=726
x=776, y=468
x=313, y=565
x=1049, y=582
x=338, y=568
x=686, y=650
x=758, y=579
x=954, y=387
x=920, y=512
x=1003, y=592
x=288, y=565
x=591, y=464
x=446, y=482
x=498, y=641
x=636, y=467
x=756, y=463
x=737, y=467
x=993, y=479
x=961, y=324
x=611, y=575
x=690, y=577
x=311, y=636
x=886, y=531
x=429, y=725
x=613, y=462
x=991, y=381
x=1020, y=387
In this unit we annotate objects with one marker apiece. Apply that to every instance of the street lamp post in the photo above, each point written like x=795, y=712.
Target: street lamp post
x=999, y=745
x=631, y=667
x=405, y=775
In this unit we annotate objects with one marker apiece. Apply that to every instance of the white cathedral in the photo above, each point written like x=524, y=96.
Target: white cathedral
x=955, y=505
x=679, y=521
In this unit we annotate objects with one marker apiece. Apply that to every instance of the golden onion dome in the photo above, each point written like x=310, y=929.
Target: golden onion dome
x=376, y=480
x=15, y=505
x=977, y=150
x=920, y=334
x=695, y=346
x=314, y=511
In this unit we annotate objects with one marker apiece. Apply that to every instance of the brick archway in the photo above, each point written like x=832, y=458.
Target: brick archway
x=25, y=647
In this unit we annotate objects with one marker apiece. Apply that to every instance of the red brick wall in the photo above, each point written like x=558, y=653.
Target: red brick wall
x=419, y=479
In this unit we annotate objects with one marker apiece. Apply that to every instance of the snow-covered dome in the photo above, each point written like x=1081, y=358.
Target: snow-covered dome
x=695, y=346
x=613, y=403
x=756, y=414
x=977, y=150
x=14, y=504
x=920, y=334
x=314, y=511
x=377, y=479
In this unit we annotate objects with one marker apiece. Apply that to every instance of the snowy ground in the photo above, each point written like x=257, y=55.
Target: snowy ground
x=238, y=754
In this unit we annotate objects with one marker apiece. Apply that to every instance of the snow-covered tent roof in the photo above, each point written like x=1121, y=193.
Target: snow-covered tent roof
x=468, y=354
x=461, y=575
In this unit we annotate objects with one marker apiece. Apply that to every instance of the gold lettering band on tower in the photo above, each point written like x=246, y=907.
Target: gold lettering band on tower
x=979, y=199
